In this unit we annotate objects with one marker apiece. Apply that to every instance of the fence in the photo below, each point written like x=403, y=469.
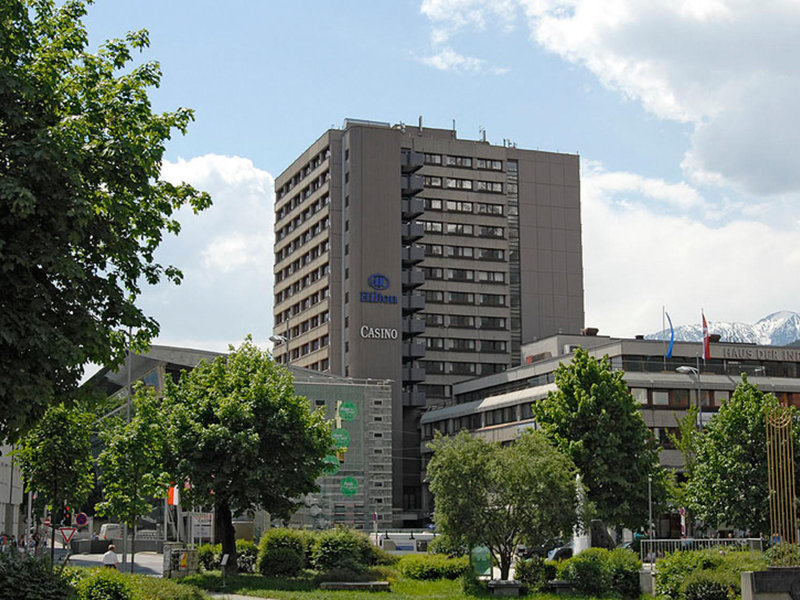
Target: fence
x=652, y=550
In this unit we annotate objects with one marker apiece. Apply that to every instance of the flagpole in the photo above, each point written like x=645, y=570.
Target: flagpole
x=663, y=331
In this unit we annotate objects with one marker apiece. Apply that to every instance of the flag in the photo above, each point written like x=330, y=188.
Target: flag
x=173, y=496
x=706, y=339
x=671, y=336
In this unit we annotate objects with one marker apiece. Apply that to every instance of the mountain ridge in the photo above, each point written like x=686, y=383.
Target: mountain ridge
x=780, y=328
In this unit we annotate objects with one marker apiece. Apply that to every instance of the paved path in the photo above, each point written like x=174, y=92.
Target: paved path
x=145, y=563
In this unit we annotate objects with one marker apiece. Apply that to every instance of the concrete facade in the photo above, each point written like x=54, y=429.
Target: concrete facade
x=407, y=254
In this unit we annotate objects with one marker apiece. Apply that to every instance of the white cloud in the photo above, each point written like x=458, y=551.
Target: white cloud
x=638, y=258
x=448, y=59
x=727, y=67
x=225, y=253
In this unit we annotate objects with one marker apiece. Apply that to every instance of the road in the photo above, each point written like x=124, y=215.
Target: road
x=146, y=563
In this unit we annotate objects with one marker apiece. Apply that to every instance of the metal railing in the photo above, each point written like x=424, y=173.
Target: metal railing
x=652, y=550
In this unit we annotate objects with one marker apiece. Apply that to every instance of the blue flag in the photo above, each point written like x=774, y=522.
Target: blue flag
x=671, y=336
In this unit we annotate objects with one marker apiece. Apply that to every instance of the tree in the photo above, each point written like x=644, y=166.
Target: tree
x=502, y=496
x=243, y=438
x=132, y=462
x=56, y=460
x=728, y=484
x=82, y=208
x=595, y=420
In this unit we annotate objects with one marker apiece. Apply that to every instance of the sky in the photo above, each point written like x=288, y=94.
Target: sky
x=683, y=112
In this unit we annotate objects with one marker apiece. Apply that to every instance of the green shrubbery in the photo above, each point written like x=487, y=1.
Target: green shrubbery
x=535, y=572
x=433, y=566
x=599, y=572
x=105, y=584
x=210, y=556
x=282, y=552
x=23, y=577
x=705, y=574
x=343, y=549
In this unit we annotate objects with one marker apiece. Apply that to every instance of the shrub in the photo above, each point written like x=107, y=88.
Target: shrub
x=674, y=568
x=209, y=556
x=588, y=572
x=706, y=584
x=105, y=584
x=472, y=586
x=281, y=552
x=153, y=588
x=433, y=566
x=534, y=573
x=342, y=548
x=623, y=571
x=442, y=544
x=380, y=573
x=24, y=577
x=247, y=555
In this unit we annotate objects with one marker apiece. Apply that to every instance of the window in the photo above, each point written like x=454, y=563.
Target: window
x=452, y=183
x=432, y=182
x=640, y=395
x=491, y=276
x=493, y=300
x=432, y=226
x=660, y=398
x=461, y=368
x=490, y=209
x=434, y=320
x=492, y=323
x=459, y=345
x=461, y=298
x=435, y=296
x=433, y=249
x=488, y=231
x=434, y=343
x=454, y=206
x=432, y=272
x=459, y=229
x=462, y=321
x=494, y=187
x=491, y=254
x=485, y=163
x=460, y=275
x=433, y=366
x=459, y=251
x=458, y=161
x=497, y=346
x=433, y=159
x=433, y=204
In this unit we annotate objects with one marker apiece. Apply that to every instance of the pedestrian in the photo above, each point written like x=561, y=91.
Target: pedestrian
x=110, y=557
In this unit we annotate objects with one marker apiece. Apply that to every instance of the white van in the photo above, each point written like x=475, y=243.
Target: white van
x=110, y=531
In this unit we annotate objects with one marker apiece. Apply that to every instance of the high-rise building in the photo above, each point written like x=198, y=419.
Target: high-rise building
x=405, y=253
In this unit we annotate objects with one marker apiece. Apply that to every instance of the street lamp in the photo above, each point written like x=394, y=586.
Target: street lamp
x=695, y=373
x=650, y=503
x=282, y=339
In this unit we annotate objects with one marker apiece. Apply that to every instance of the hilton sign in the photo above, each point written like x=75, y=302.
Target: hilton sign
x=378, y=283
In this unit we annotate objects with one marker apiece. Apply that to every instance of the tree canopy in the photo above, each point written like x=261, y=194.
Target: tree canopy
x=728, y=483
x=594, y=419
x=56, y=459
x=501, y=497
x=242, y=438
x=82, y=205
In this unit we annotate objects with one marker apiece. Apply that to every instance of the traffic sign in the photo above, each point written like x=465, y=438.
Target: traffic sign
x=67, y=533
x=47, y=521
x=81, y=519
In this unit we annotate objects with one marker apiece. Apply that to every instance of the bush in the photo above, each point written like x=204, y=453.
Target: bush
x=623, y=571
x=153, y=588
x=380, y=573
x=209, y=556
x=674, y=568
x=442, y=544
x=433, y=566
x=247, y=555
x=588, y=572
x=706, y=584
x=342, y=548
x=534, y=573
x=281, y=552
x=105, y=584
x=24, y=577
x=472, y=586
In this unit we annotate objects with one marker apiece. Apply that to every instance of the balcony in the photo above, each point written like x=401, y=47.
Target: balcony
x=413, y=303
x=413, y=374
x=412, y=207
x=412, y=327
x=412, y=255
x=412, y=184
x=411, y=232
x=412, y=278
x=413, y=398
x=413, y=351
x=411, y=161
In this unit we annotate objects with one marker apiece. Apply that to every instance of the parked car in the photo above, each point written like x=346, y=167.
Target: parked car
x=561, y=552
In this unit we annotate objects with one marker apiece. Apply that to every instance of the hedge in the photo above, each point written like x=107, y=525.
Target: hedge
x=433, y=566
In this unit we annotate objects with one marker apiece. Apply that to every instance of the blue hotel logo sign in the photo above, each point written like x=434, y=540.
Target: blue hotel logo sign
x=378, y=283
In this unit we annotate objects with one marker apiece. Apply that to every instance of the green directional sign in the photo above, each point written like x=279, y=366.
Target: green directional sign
x=481, y=560
x=331, y=465
x=349, y=486
x=348, y=410
x=341, y=437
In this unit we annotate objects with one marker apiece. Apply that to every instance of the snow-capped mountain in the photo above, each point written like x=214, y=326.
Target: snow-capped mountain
x=778, y=329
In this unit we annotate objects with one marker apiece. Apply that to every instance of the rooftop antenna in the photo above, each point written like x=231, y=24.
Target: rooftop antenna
x=482, y=132
x=420, y=126
x=454, y=128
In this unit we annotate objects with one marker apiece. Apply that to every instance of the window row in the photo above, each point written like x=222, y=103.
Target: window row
x=309, y=347
x=440, y=297
x=314, y=276
x=465, y=345
x=440, y=367
x=312, y=300
x=302, y=239
x=465, y=275
x=315, y=162
x=481, y=208
x=453, y=183
x=441, y=250
x=302, y=327
x=299, y=263
x=315, y=207
x=679, y=398
x=465, y=229
x=466, y=162
x=464, y=321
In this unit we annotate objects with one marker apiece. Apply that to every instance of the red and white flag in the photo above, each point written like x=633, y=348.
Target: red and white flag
x=706, y=339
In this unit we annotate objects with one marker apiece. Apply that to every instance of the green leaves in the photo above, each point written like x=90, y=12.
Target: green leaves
x=82, y=208
x=594, y=419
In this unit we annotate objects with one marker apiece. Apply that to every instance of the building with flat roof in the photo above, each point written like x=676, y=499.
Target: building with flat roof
x=498, y=408
x=408, y=254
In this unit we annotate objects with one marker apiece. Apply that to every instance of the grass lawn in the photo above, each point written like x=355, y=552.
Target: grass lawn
x=302, y=588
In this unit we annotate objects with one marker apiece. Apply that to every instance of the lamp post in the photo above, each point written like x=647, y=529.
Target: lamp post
x=695, y=373
x=650, y=502
x=282, y=339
